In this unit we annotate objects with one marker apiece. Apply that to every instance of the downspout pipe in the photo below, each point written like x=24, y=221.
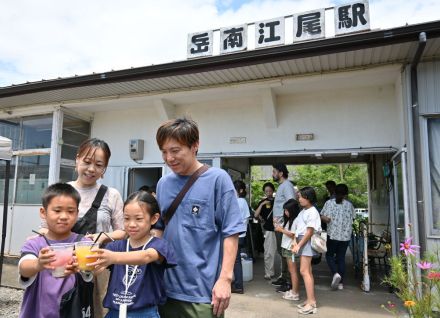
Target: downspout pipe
x=417, y=145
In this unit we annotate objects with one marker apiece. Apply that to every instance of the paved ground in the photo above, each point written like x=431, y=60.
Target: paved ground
x=261, y=301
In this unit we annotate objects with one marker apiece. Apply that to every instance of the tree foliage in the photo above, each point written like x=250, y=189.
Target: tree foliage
x=353, y=175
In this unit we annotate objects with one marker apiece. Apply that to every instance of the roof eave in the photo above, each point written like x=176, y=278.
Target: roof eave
x=252, y=57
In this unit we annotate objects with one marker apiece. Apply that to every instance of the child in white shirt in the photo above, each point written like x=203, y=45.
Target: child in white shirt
x=309, y=221
x=291, y=211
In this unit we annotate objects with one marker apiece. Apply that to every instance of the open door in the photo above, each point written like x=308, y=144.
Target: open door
x=143, y=176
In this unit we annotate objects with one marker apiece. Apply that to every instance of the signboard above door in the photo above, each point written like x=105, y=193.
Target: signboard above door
x=307, y=26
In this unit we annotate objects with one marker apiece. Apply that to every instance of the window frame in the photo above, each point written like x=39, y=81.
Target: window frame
x=426, y=177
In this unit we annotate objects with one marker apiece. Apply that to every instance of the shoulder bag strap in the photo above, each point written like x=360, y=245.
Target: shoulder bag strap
x=88, y=222
x=99, y=196
x=78, y=238
x=173, y=207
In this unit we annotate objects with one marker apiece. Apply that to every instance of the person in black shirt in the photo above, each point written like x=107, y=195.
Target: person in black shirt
x=264, y=212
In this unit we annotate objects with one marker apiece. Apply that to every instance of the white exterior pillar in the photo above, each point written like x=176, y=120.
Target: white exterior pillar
x=55, y=146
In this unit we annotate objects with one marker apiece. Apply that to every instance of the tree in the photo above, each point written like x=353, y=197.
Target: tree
x=353, y=175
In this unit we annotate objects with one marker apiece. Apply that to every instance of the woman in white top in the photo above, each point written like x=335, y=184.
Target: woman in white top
x=291, y=212
x=308, y=222
x=91, y=162
x=237, y=284
x=339, y=214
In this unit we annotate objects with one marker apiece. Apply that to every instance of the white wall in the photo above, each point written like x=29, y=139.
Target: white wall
x=117, y=127
x=23, y=219
x=360, y=117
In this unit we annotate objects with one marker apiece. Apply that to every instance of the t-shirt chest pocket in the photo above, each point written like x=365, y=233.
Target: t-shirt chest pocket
x=196, y=214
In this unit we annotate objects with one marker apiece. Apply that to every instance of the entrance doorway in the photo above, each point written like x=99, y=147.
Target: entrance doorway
x=379, y=193
x=145, y=176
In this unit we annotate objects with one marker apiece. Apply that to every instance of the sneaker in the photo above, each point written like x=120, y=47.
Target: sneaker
x=340, y=286
x=280, y=281
x=267, y=277
x=335, y=281
x=289, y=295
x=237, y=290
x=308, y=310
x=283, y=288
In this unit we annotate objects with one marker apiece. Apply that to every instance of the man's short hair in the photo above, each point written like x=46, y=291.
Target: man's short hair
x=330, y=183
x=281, y=167
x=184, y=130
x=59, y=189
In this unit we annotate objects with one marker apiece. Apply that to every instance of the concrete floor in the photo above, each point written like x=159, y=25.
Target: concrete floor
x=261, y=301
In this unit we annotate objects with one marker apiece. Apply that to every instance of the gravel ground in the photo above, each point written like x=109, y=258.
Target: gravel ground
x=10, y=300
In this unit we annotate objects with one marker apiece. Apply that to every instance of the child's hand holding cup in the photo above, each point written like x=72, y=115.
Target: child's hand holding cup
x=63, y=257
x=82, y=250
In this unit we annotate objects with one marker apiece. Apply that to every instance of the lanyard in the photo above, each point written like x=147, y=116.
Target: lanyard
x=130, y=282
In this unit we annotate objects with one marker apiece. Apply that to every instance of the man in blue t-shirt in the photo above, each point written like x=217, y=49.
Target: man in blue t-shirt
x=204, y=229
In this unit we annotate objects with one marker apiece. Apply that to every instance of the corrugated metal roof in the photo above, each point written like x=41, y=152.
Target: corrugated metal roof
x=322, y=56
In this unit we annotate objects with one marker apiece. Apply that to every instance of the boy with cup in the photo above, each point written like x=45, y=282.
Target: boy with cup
x=41, y=262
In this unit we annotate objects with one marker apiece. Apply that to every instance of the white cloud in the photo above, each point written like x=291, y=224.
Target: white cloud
x=52, y=38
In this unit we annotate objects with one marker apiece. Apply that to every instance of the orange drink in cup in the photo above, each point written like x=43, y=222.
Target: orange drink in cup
x=82, y=250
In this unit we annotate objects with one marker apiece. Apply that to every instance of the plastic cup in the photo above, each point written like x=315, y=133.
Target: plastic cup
x=63, y=255
x=82, y=250
x=278, y=221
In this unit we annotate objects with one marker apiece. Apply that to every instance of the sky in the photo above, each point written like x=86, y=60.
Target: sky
x=47, y=39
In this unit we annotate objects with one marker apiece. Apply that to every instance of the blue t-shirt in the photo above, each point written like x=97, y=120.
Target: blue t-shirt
x=147, y=288
x=208, y=213
x=43, y=292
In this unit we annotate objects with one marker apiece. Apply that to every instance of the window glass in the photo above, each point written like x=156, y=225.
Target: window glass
x=434, y=164
x=32, y=179
x=11, y=129
x=2, y=180
x=37, y=132
x=67, y=174
x=75, y=131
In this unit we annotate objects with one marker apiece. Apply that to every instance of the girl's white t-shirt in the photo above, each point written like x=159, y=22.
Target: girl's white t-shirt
x=308, y=218
x=286, y=241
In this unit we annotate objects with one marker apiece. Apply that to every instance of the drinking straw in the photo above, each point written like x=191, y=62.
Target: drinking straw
x=44, y=236
x=96, y=240
x=109, y=236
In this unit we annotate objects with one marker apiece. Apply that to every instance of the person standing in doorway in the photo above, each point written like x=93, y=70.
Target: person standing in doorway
x=338, y=213
x=285, y=192
x=203, y=230
x=264, y=212
x=330, y=185
x=308, y=223
x=237, y=285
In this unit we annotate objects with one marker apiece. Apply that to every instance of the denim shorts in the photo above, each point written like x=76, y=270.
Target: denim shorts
x=288, y=254
x=307, y=249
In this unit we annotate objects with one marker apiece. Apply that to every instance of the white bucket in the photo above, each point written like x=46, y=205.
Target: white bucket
x=246, y=264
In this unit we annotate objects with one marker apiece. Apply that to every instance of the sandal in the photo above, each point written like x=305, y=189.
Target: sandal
x=301, y=306
x=308, y=309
